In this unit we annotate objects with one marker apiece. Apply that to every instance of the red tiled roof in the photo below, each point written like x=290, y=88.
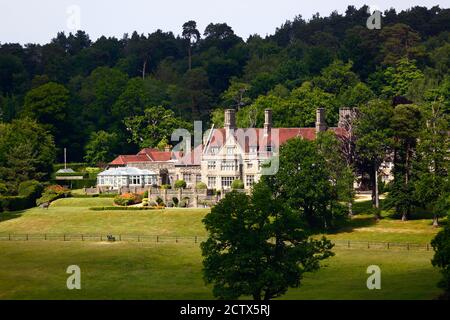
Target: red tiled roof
x=124, y=159
x=279, y=135
x=243, y=136
x=156, y=155
x=191, y=158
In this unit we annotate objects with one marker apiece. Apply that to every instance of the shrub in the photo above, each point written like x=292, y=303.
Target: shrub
x=237, y=184
x=146, y=194
x=52, y=193
x=145, y=202
x=170, y=204
x=180, y=184
x=127, y=199
x=441, y=259
x=201, y=186
x=175, y=201
x=166, y=186
x=159, y=201
x=32, y=190
x=13, y=203
x=85, y=183
x=3, y=189
x=184, y=203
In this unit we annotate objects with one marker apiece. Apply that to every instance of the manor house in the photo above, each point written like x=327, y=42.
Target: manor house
x=226, y=154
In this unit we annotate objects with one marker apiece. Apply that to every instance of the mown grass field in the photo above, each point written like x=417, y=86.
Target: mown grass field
x=146, y=270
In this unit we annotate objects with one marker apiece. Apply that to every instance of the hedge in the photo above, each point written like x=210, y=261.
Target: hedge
x=29, y=191
x=75, y=166
x=14, y=203
x=125, y=208
x=96, y=195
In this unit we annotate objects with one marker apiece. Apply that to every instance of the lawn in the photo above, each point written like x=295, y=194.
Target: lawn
x=148, y=270
x=72, y=215
x=37, y=270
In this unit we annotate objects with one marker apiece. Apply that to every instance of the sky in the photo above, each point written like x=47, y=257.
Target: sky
x=27, y=21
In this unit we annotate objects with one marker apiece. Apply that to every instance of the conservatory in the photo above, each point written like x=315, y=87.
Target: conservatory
x=114, y=178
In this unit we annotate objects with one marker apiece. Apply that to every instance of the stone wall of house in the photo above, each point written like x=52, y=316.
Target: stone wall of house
x=196, y=198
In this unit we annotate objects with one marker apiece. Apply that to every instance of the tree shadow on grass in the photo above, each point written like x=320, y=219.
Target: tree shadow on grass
x=9, y=215
x=353, y=223
x=362, y=207
x=363, y=216
x=416, y=214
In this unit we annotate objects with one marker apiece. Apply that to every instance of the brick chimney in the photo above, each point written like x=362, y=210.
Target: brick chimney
x=230, y=119
x=320, y=120
x=267, y=121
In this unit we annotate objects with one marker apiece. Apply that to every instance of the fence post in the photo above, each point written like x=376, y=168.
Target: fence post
x=120, y=237
x=27, y=236
x=157, y=239
x=407, y=246
x=64, y=237
x=348, y=244
x=368, y=245
x=101, y=237
x=195, y=239
x=176, y=239
x=45, y=236
x=82, y=237
x=139, y=238
x=428, y=247
x=388, y=245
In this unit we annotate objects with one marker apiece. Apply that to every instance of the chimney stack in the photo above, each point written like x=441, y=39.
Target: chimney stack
x=230, y=119
x=267, y=121
x=320, y=120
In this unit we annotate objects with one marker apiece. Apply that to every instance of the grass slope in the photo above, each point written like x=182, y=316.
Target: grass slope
x=72, y=215
x=36, y=269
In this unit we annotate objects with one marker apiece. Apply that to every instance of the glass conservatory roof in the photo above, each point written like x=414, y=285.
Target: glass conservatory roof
x=127, y=171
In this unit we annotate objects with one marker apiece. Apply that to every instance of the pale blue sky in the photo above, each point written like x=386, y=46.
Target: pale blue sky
x=26, y=21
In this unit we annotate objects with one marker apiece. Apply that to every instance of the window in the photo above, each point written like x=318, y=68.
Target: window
x=249, y=165
x=253, y=149
x=211, y=182
x=211, y=165
x=136, y=180
x=150, y=180
x=227, y=181
x=198, y=178
x=230, y=151
x=228, y=166
x=187, y=177
x=214, y=150
x=269, y=148
x=250, y=180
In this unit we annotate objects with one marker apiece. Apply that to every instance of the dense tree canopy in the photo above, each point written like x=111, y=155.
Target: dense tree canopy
x=75, y=86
